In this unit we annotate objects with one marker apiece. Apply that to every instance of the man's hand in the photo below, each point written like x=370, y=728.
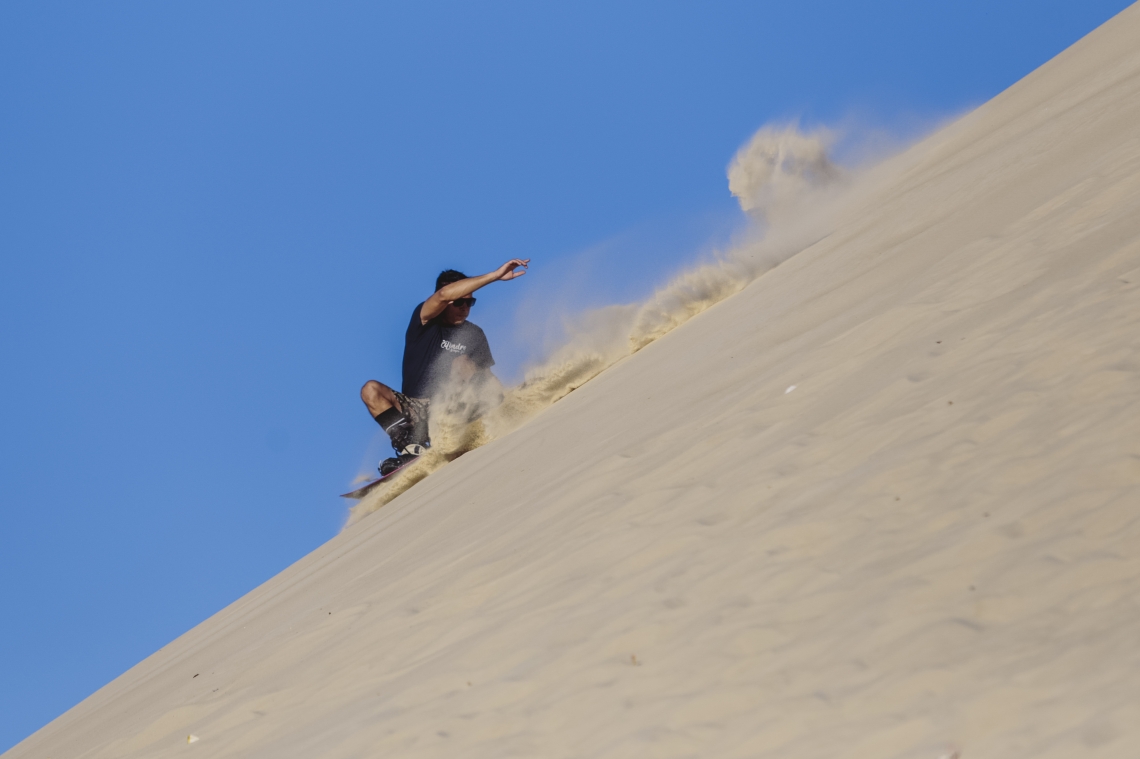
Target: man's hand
x=509, y=270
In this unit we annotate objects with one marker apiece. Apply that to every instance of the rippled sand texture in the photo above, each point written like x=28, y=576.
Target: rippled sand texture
x=930, y=547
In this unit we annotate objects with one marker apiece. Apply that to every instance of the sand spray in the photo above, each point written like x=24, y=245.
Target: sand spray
x=793, y=194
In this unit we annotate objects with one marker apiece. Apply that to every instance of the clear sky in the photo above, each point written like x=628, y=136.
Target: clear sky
x=216, y=218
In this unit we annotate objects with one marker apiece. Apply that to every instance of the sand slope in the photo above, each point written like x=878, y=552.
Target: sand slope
x=930, y=546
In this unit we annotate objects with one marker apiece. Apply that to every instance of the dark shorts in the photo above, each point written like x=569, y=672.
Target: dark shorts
x=416, y=409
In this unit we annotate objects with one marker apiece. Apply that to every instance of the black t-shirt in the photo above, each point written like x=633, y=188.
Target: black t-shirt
x=430, y=348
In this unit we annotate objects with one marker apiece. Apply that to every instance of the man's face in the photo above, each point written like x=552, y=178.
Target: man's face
x=457, y=312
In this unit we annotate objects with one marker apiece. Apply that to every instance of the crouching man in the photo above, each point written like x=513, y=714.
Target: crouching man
x=440, y=347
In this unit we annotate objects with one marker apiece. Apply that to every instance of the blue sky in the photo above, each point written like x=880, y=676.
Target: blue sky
x=216, y=217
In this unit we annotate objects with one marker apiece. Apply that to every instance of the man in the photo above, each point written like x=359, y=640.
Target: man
x=440, y=347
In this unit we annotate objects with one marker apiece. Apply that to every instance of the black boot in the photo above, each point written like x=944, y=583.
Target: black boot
x=406, y=452
x=387, y=466
x=406, y=441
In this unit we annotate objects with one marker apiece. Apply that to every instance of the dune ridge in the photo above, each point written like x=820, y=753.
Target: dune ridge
x=879, y=503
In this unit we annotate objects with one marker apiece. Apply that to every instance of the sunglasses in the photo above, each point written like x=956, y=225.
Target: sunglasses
x=469, y=302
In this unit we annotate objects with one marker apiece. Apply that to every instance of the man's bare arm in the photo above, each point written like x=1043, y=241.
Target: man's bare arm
x=435, y=305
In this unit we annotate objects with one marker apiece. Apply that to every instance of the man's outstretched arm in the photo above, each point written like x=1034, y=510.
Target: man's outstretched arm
x=435, y=305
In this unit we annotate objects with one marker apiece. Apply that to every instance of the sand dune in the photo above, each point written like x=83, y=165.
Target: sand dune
x=927, y=548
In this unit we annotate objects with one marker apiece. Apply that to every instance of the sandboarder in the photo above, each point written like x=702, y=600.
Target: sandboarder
x=440, y=347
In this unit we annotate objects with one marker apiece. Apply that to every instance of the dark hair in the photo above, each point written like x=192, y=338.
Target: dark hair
x=448, y=276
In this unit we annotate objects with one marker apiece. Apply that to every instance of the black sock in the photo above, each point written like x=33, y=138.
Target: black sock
x=392, y=420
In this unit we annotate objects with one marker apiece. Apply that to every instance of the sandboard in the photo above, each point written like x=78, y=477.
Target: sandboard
x=368, y=487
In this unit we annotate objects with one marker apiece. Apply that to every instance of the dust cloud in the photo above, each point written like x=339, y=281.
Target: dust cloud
x=792, y=192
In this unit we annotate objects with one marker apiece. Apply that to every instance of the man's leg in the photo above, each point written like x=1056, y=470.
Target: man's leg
x=417, y=410
x=387, y=410
x=378, y=397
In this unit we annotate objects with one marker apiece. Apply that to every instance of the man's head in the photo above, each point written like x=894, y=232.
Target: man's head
x=457, y=311
x=446, y=277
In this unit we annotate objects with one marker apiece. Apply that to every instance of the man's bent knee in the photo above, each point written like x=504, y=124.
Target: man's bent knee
x=378, y=397
x=372, y=389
